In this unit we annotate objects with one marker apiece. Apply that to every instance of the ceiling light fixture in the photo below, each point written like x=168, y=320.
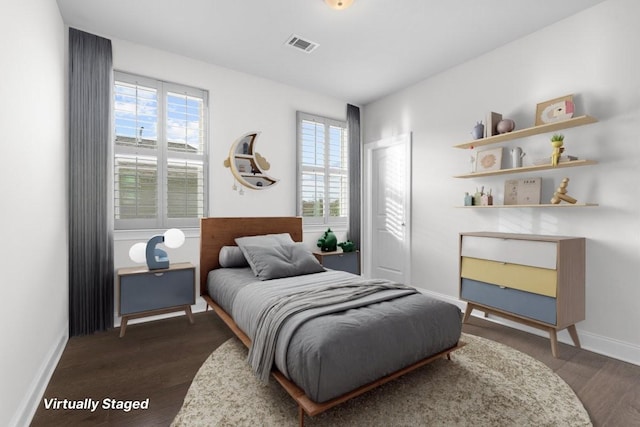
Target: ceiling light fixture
x=339, y=4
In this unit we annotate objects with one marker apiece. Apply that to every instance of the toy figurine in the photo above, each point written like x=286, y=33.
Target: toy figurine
x=328, y=242
x=556, y=141
x=347, y=246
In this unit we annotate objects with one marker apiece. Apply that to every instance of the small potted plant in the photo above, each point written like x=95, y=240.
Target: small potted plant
x=556, y=141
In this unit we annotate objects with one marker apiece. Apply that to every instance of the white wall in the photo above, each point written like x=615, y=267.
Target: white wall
x=593, y=55
x=33, y=253
x=238, y=103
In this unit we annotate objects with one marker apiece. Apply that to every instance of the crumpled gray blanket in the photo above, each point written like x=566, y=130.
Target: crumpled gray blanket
x=281, y=306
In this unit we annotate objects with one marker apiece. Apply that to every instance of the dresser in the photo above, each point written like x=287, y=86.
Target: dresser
x=532, y=279
x=144, y=292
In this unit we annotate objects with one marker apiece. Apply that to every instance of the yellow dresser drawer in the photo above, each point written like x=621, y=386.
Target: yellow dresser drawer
x=540, y=281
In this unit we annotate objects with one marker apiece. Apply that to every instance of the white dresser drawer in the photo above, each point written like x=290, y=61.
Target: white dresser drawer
x=525, y=252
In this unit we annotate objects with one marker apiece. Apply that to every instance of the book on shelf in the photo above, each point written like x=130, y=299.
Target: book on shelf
x=522, y=191
x=547, y=160
x=491, y=123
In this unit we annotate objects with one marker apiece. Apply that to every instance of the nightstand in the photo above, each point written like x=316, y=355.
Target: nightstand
x=143, y=292
x=338, y=260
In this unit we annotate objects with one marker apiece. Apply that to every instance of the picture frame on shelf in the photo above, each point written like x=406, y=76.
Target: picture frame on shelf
x=525, y=191
x=555, y=110
x=489, y=160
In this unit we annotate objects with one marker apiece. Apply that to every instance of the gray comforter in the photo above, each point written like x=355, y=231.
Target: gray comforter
x=330, y=350
x=269, y=317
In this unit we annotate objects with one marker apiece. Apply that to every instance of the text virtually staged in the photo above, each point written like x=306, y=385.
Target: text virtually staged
x=89, y=404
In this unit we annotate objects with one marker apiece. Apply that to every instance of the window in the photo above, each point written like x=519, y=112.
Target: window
x=323, y=171
x=160, y=153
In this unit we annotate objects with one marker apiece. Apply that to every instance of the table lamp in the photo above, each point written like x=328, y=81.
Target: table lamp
x=157, y=258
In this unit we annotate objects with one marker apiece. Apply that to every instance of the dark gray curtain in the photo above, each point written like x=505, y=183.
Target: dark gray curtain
x=90, y=229
x=355, y=204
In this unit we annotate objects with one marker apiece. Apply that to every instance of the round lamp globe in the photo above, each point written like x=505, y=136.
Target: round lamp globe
x=173, y=238
x=138, y=252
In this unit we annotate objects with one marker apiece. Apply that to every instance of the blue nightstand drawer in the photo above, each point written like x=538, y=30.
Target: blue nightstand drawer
x=156, y=290
x=344, y=261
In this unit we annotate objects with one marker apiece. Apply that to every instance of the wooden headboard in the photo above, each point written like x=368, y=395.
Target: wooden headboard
x=218, y=232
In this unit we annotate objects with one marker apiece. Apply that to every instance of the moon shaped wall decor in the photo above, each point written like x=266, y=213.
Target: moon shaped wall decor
x=247, y=165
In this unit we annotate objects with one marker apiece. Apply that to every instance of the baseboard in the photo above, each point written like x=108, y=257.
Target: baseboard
x=200, y=305
x=616, y=349
x=621, y=350
x=27, y=409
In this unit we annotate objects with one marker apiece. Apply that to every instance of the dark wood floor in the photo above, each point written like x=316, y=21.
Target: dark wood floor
x=157, y=360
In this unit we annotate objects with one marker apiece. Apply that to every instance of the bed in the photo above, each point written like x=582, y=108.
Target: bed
x=366, y=334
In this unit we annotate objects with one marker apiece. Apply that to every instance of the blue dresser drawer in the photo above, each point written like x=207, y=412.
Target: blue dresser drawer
x=534, y=306
x=156, y=290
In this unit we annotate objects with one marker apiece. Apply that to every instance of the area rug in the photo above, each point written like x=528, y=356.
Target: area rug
x=485, y=384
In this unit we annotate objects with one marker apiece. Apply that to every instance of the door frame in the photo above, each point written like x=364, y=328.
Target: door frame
x=405, y=140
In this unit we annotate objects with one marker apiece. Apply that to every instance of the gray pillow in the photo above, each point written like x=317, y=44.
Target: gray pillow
x=232, y=257
x=263, y=240
x=283, y=260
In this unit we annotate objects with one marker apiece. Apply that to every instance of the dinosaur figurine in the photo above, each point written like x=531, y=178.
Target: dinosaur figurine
x=328, y=242
x=347, y=246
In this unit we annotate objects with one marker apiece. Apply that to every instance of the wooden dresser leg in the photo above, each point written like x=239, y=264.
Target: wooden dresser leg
x=467, y=312
x=187, y=310
x=123, y=325
x=574, y=335
x=553, y=337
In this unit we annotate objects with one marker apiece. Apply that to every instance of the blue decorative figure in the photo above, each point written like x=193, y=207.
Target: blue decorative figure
x=156, y=257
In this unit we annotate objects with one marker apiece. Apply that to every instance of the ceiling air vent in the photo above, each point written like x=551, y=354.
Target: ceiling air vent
x=301, y=44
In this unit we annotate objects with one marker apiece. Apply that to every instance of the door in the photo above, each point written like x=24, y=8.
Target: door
x=388, y=209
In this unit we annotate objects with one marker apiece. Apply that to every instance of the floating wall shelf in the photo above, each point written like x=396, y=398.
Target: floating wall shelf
x=561, y=205
x=572, y=163
x=247, y=165
x=523, y=133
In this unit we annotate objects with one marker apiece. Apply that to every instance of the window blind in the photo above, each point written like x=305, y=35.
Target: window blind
x=160, y=153
x=323, y=164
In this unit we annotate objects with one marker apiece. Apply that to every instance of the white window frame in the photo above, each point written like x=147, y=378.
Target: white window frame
x=336, y=223
x=163, y=155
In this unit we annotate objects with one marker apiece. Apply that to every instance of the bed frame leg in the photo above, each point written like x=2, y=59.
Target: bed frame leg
x=301, y=416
